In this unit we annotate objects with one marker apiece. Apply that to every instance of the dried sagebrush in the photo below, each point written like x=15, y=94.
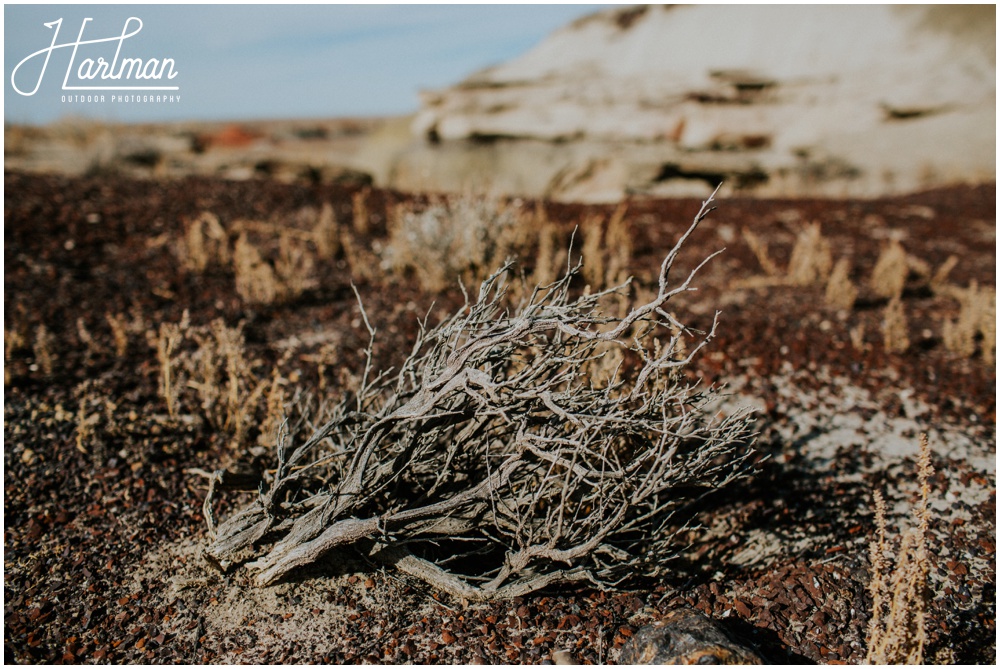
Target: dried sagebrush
x=491, y=464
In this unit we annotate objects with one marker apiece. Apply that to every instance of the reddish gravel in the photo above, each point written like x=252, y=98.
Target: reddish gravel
x=101, y=559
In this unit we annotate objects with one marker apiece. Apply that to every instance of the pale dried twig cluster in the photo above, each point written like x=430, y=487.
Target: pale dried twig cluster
x=490, y=464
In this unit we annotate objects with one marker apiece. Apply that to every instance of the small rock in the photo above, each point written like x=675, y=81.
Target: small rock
x=685, y=636
x=563, y=657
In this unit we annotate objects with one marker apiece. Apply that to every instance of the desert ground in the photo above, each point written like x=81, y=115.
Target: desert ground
x=850, y=326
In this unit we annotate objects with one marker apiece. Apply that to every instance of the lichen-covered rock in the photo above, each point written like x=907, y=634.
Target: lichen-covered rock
x=685, y=636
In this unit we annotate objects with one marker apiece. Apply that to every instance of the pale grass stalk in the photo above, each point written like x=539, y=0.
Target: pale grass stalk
x=205, y=242
x=546, y=259
x=857, y=334
x=119, y=333
x=360, y=212
x=976, y=318
x=255, y=279
x=900, y=592
x=618, y=242
x=326, y=233
x=759, y=249
x=939, y=280
x=44, y=355
x=811, y=258
x=593, y=252
x=170, y=337
x=895, y=327
x=841, y=293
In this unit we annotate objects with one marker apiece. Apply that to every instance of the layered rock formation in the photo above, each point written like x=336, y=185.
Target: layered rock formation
x=775, y=100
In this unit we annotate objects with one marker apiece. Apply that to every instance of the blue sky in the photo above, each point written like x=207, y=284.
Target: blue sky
x=265, y=61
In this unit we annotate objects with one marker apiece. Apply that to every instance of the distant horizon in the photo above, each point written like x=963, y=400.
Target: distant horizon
x=253, y=63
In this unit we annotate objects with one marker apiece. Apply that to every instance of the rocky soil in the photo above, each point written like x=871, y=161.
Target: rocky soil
x=103, y=496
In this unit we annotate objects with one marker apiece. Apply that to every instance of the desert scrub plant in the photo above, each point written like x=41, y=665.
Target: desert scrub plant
x=457, y=238
x=900, y=592
x=490, y=464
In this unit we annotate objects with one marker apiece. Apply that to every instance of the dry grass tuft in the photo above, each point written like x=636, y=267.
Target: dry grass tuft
x=119, y=332
x=900, y=593
x=857, y=334
x=294, y=267
x=168, y=340
x=45, y=357
x=275, y=412
x=326, y=233
x=891, y=269
x=841, y=293
x=810, y=262
x=811, y=257
x=255, y=279
x=976, y=318
x=759, y=249
x=360, y=212
x=206, y=370
x=549, y=256
x=895, y=327
x=205, y=242
x=939, y=281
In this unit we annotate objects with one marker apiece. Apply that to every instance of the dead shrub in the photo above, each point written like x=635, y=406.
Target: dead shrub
x=489, y=465
x=899, y=587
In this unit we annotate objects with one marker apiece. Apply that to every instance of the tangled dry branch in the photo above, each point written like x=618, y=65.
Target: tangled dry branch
x=492, y=464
